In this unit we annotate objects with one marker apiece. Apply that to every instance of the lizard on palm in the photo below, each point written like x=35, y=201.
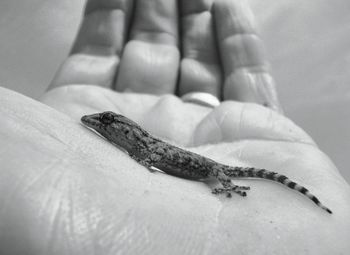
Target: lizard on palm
x=150, y=151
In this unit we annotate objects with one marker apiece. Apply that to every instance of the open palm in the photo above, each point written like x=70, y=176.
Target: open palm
x=73, y=192
x=67, y=191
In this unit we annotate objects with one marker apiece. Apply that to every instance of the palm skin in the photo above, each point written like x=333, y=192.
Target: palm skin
x=67, y=191
x=79, y=194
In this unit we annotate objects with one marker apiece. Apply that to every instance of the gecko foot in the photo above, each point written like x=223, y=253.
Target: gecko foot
x=228, y=191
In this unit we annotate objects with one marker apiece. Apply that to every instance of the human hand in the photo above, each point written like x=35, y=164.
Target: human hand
x=83, y=195
x=174, y=47
x=64, y=190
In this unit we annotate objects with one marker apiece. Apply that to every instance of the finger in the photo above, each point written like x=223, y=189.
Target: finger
x=95, y=55
x=246, y=75
x=150, y=60
x=200, y=65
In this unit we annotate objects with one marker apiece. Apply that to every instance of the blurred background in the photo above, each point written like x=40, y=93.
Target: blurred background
x=307, y=42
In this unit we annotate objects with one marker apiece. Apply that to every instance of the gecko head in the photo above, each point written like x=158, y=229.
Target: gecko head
x=115, y=127
x=103, y=120
x=97, y=120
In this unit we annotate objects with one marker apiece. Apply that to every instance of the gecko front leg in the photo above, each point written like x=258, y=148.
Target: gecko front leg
x=228, y=185
x=148, y=162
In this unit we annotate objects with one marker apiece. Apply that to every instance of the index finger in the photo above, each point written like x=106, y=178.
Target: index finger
x=95, y=55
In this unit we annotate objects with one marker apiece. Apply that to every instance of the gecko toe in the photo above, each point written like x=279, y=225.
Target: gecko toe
x=241, y=193
x=242, y=188
x=228, y=191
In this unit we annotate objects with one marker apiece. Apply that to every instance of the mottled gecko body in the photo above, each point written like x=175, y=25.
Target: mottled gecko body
x=150, y=151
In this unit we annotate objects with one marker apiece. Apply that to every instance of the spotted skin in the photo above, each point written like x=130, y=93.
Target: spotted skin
x=150, y=151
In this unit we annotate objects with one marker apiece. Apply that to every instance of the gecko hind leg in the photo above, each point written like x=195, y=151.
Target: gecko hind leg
x=229, y=187
x=235, y=189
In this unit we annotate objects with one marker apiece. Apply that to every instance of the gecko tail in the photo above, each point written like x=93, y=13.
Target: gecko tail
x=273, y=176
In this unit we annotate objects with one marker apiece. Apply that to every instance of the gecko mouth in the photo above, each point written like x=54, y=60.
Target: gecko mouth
x=92, y=120
x=93, y=123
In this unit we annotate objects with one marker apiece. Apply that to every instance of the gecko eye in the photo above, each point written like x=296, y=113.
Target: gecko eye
x=107, y=118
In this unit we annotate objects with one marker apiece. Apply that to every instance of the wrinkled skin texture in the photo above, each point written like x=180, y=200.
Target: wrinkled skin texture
x=175, y=46
x=64, y=190
x=79, y=194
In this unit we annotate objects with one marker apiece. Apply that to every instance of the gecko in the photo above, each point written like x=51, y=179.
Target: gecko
x=149, y=151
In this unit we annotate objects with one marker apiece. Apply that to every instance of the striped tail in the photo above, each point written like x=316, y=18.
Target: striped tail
x=273, y=176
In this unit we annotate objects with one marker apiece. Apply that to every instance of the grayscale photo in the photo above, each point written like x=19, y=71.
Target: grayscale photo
x=174, y=127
